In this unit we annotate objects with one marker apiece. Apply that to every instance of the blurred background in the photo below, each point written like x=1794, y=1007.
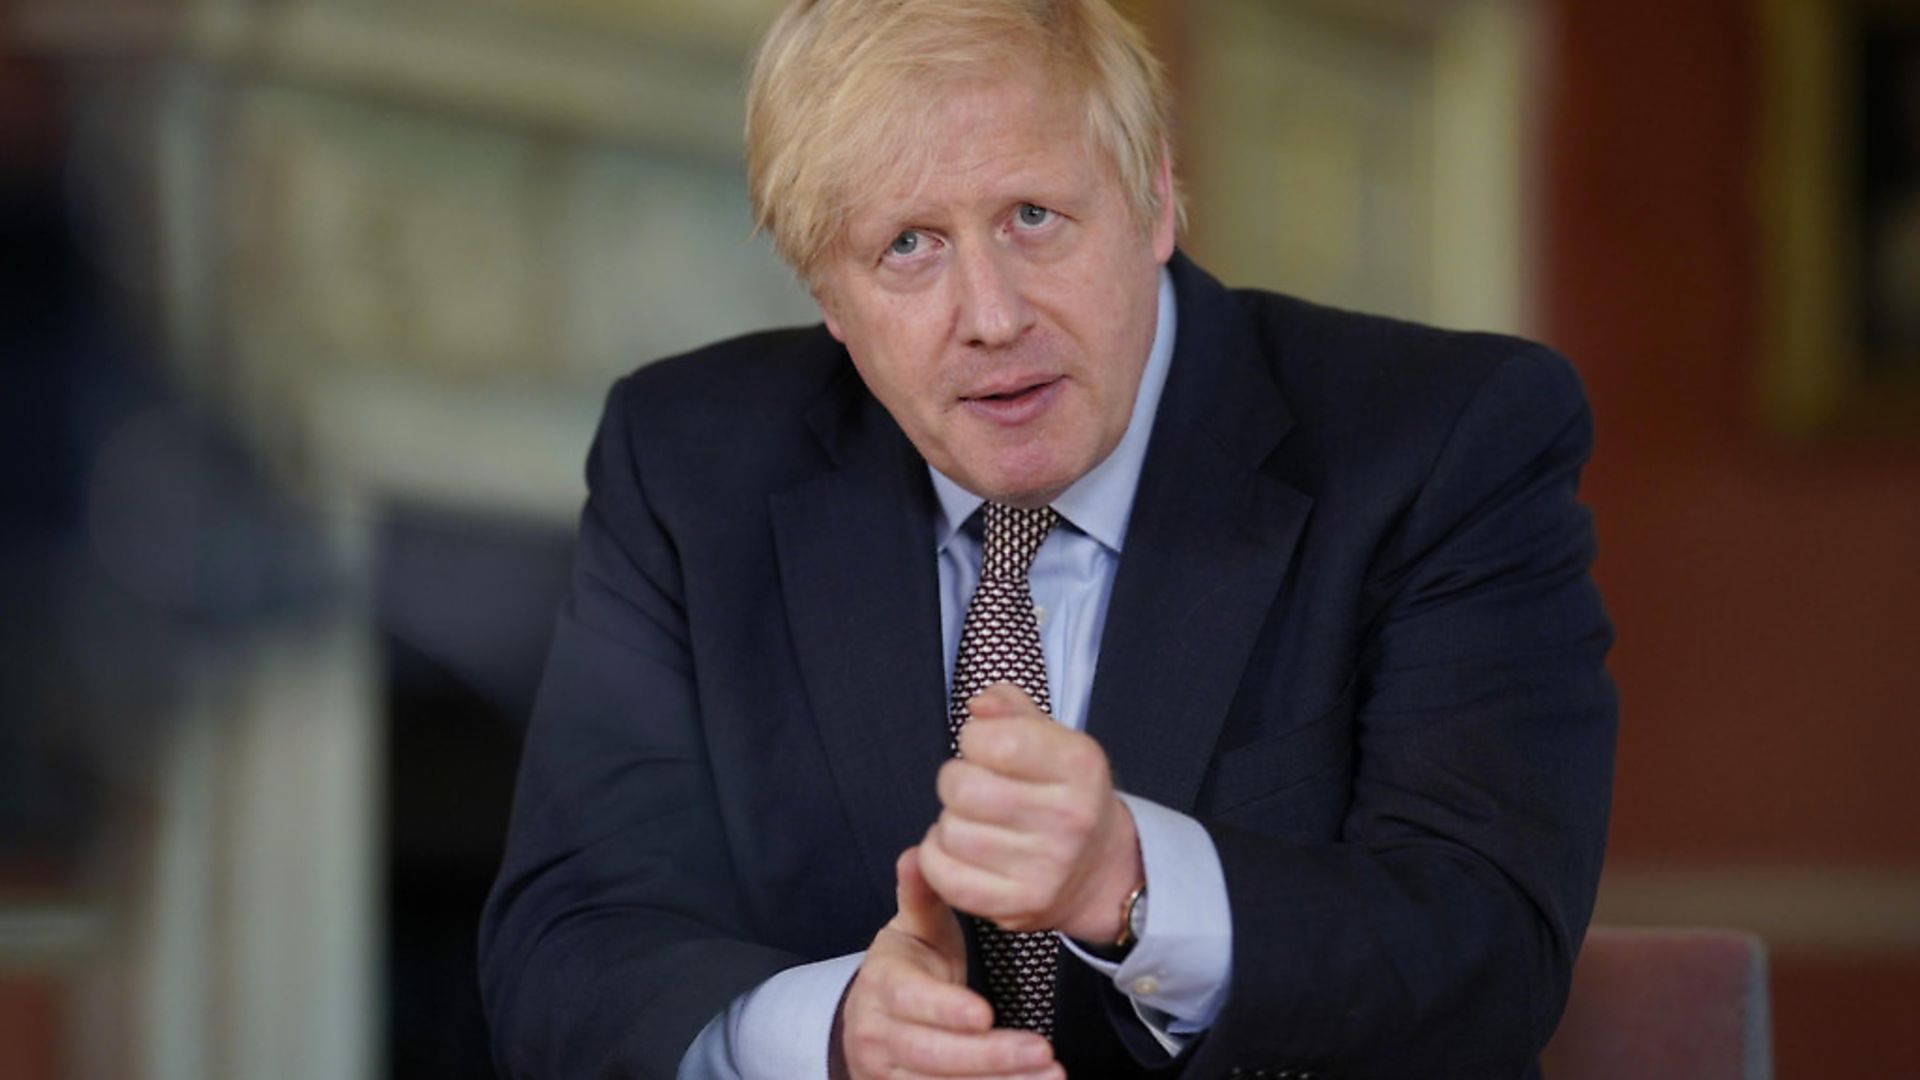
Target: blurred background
x=307, y=308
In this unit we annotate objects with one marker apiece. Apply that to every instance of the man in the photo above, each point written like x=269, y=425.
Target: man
x=1293, y=753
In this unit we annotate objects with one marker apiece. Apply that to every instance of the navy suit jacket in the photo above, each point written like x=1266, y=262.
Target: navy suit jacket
x=1352, y=633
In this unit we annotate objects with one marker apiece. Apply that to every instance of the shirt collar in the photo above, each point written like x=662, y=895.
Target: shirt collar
x=1101, y=502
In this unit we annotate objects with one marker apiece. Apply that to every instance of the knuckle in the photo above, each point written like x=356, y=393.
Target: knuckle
x=1078, y=817
x=1007, y=740
x=933, y=859
x=993, y=849
x=960, y=789
x=866, y=1043
x=916, y=1047
x=970, y=898
x=1008, y=1056
x=958, y=842
x=972, y=741
x=897, y=997
x=1064, y=844
x=1084, y=758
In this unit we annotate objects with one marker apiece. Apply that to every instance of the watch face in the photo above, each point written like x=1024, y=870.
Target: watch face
x=1137, y=915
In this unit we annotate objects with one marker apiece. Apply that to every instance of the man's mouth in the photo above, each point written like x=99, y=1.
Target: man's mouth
x=1015, y=402
x=1015, y=391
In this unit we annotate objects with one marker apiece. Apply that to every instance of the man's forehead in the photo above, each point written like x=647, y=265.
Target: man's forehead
x=987, y=146
x=988, y=178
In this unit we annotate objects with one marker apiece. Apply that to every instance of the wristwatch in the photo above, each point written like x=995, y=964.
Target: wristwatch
x=1133, y=918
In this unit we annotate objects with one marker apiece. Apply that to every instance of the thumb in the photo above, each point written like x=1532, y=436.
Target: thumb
x=921, y=909
x=923, y=914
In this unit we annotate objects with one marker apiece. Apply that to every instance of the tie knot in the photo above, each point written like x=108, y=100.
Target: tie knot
x=1013, y=536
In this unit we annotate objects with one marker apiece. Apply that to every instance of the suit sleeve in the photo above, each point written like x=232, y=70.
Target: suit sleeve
x=1436, y=937
x=615, y=930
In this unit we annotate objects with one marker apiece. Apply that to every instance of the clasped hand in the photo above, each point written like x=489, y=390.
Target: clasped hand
x=1031, y=836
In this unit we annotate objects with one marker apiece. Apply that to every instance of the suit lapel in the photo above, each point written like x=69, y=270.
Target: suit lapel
x=1209, y=543
x=869, y=656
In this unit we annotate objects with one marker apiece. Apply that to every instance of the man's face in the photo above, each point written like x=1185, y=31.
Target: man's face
x=1002, y=308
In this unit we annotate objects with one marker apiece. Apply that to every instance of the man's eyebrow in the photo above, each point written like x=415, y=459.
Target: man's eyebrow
x=885, y=216
x=877, y=228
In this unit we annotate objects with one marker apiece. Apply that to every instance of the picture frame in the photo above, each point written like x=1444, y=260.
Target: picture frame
x=1840, y=192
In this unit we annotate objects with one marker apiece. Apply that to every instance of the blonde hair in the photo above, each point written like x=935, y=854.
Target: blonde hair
x=841, y=88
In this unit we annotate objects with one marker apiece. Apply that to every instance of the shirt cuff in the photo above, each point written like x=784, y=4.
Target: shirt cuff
x=778, y=1030
x=1177, y=973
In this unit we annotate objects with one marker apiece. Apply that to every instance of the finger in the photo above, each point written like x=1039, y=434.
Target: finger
x=976, y=794
x=911, y=994
x=1026, y=747
x=998, y=1052
x=922, y=913
x=1009, y=852
x=974, y=791
x=926, y=920
x=981, y=891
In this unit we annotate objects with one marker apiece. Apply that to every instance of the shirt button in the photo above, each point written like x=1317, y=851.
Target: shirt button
x=1039, y=615
x=1146, y=986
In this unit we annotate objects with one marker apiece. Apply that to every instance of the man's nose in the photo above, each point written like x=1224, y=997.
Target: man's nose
x=993, y=309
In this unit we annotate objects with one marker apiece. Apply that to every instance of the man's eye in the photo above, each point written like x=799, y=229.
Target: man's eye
x=905, y=244
x=1032, y=217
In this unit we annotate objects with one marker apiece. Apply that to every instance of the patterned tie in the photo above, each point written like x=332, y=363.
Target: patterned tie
x=1000, y=642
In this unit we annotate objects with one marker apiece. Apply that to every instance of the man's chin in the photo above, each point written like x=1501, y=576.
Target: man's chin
x=1030, y=473
x=1025, y=489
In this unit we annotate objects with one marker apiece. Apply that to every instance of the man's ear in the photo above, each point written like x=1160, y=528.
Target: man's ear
x=1166, y=225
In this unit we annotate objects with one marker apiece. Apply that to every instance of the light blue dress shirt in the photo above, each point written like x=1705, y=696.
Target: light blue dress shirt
x=1177, y=974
